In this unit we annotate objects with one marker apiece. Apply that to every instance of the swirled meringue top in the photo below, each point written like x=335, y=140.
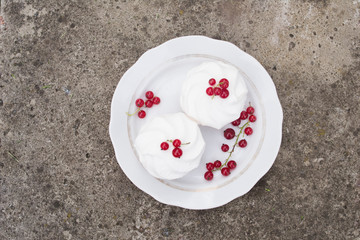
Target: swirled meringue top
x=210, y=111
x=161, y=163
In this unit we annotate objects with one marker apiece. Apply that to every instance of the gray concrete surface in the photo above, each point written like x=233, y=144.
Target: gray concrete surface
x=60, y=62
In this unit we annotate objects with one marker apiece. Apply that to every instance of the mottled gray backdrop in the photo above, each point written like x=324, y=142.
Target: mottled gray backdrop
x=60, y=61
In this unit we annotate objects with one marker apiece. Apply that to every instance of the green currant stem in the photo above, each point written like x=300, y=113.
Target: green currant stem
x=233, y=148
x=181, y=143
x=133, y=113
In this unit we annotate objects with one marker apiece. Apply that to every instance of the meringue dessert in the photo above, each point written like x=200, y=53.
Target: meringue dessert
x=170, y=145
x=209, y=102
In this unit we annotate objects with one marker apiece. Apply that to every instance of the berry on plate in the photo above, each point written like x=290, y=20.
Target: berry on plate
x=229, y=133
x=208, y=175
x=225, y=171
x=149, y=94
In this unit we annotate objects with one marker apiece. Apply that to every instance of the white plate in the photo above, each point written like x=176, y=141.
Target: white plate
x=161, y=70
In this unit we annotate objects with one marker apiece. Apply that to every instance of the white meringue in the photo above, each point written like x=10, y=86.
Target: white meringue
x=161, y=163
x=214, y=112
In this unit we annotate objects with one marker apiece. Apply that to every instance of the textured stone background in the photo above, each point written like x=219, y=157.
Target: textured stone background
x=60, y=62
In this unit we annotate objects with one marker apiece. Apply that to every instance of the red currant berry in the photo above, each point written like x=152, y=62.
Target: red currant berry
x=212, y=81
x=224, y=83
x=236, y=122
x=139, y=102
x=252, y=118
x=156, y=100
x=231, y=164
x=225, y=148
x=250, y=110
x=242, y=143
x=142, y=114
x=177, y=143
x=229, y=133
x=210, y=91
x=225, y=171
x=217, y=164
x=248, y=131
x=208, y=175
x=224, y=93
x=217, y=91
x=243, y=115
x=177, y=152
x=164, y=146
x=209, y=166
x=149, y=103
x=149, y=94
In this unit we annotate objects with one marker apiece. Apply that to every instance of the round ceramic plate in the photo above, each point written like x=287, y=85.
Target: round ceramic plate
x=162, y=70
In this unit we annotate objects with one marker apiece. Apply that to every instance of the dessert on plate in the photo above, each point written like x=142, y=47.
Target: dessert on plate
x=170, y=145
x=213, y=93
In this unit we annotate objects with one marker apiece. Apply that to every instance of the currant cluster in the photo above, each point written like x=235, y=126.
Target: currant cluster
x=150, y=101
x=229, y=134
x=225, y=170
x=176, y=152
x=219, y=89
